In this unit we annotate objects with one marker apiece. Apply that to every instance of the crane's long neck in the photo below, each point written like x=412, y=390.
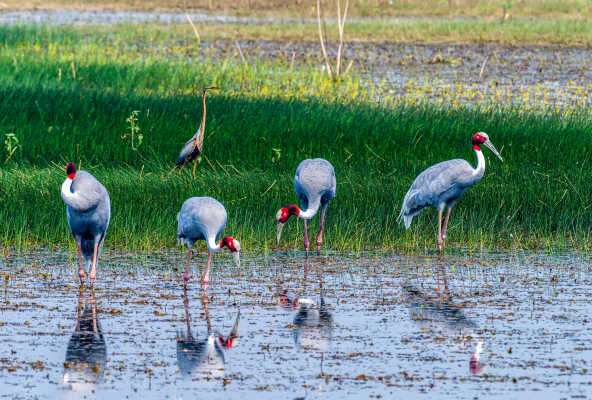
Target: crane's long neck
x=311, y=211
x=212, y=245
x=480, y=170
x=75, y=200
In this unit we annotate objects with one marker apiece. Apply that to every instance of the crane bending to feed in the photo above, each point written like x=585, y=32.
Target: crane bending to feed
x=192, y=148
x=88, y=209
x=204, y=218
x=442, y=184
x=315, y=185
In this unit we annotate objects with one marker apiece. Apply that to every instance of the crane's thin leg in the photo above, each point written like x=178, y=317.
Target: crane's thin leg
x=206, y=277
x=194, y=165
x=80, y=307
x=320, y=236
x=93, y=305
x=186, y=304
x=306, y=242
x=439, y=231
x=93, y=270
x=186, y=276
x=80, y=268
x=445, y=225
x=181, y=169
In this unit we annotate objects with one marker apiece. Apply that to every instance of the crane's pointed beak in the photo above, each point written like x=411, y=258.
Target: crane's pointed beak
x=236, y=258
x=493, y=149
x=280, y=226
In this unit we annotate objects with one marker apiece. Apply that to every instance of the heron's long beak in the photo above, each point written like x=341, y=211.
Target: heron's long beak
x=493, y=149
x=211, y=88
x=236, y=258
x=280, y=226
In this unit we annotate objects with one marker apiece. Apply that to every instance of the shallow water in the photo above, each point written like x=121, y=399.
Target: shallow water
x=335, y=327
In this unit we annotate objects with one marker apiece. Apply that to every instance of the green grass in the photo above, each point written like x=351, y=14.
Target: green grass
x=516, y=31
x=540, y=196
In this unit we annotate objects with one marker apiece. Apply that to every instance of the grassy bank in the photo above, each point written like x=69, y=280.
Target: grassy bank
x=266, y=119
x=305, y=8
x=517, y=31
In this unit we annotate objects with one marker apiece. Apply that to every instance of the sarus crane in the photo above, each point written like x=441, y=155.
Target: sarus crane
x=193, y=147
x=315, y=186
x=88, y=209
x=204, y=218
x=442, y=184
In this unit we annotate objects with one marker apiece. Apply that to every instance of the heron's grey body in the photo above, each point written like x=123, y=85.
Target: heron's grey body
x=315, y=185
x=89, y=211
x=201, y=218
x=439, y=186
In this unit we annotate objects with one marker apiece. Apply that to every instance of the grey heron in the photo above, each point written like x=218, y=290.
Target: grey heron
x=88, y=209
x=204, y=218
x=193, y=147
x=315, y=186
x=442, y=184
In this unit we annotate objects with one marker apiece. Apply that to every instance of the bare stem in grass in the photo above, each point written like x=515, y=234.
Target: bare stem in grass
x=191, y=23
x=482, y=69
x=336, y=73
x=240, y=52
x=322, y=40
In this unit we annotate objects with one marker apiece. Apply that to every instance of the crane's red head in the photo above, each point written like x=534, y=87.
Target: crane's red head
x=228, y=343
x=70, y=170
x=479, y=138
x=284, y=213
x=282, y=216
x=234, y=246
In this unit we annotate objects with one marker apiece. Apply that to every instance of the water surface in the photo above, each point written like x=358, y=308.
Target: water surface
x=466, y=326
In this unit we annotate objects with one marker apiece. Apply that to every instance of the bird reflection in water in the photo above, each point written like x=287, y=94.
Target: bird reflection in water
x=445, y=317
x=204, y=358
x=86, y=353
x=312, y=325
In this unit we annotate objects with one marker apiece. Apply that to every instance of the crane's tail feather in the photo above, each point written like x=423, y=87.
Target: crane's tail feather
x=410, y=208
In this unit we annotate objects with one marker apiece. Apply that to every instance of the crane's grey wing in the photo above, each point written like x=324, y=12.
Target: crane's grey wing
x=89, y=190
x=186, y=152
x=436, y=186
x=201, y=218
x=315, y=180
x=90, y=219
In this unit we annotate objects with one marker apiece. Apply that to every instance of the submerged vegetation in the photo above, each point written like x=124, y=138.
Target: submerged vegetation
x=69, y=94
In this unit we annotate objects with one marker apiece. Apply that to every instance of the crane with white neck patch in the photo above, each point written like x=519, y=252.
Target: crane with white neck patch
x=192, y=148
x=442, y=184
x=204, y=218
x=88, y=209
x=315, y=186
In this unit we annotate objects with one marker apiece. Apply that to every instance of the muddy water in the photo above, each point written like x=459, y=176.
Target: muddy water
x=467, y=326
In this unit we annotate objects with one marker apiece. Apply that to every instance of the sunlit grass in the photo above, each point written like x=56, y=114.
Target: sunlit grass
x=72, y=106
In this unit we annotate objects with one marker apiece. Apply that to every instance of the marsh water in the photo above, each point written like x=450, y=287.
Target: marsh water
x=467, y=325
